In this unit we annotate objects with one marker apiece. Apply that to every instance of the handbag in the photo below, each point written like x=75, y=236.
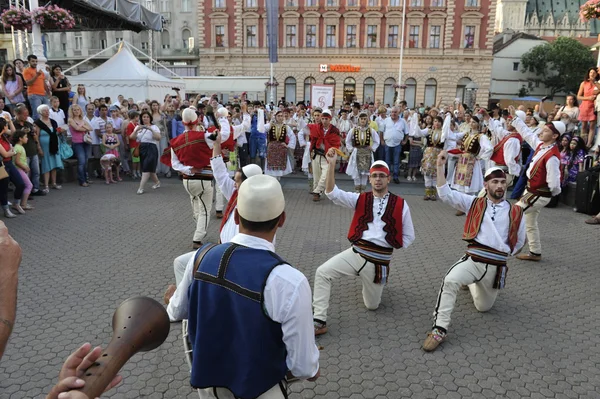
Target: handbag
x=3, y=172
x=87, y=138
x=64, y=149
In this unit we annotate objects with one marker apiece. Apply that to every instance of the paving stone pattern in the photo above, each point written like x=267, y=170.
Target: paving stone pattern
x=86, y=250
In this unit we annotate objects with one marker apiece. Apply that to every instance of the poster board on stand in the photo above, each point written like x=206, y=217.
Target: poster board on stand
x=322, y=96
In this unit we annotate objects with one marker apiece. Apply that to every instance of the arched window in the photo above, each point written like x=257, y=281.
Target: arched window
x=410, y=93
x=430, y=92
x=369, y=91
x=349, y=89
x=329, y=81
x=307, y=84
x=185, y=36
x=165, y=41
x=461, y=89
x=290, y=90
x=388, y=91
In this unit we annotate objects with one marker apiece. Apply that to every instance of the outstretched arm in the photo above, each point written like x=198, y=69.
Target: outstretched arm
x=457, y=200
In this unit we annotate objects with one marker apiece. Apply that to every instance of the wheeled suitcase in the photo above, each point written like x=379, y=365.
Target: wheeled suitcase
x=587, y=196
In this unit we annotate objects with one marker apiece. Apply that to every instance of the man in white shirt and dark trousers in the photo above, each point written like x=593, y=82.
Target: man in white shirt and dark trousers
x=544, y=178
x=250, y=321
x=495, y=230
x=395, y=129
x=381, y=223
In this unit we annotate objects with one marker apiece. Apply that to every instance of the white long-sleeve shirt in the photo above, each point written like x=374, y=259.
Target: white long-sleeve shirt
x=552, y=164
x=374, y=233
x=493, y=233
x=374, y=145
x=512, y=147
x=394, y=131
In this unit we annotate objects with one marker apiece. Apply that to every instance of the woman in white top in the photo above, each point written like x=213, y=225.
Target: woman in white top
x=148, y=135
x=568, y=114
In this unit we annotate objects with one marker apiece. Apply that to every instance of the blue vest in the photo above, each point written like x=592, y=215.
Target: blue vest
x=235, y=343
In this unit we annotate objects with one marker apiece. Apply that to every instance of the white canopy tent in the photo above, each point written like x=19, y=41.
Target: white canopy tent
x=124, y=74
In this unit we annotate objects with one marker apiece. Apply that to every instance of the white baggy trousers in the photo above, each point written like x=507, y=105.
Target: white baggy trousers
x=347, y=263
x=480, y=279
x=531, y=220
x=201, y=197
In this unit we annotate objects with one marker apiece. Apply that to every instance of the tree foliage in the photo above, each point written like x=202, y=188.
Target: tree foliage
x=560, y=65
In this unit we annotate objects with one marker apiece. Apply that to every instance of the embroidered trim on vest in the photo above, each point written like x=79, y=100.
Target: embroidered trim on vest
x=356, y=137
x=188, y=143
x=437, y=142
x=390, y=223
x=474, y=218
x=277, y=133
x=516, y=215
x=229, y=209
x=366, y=218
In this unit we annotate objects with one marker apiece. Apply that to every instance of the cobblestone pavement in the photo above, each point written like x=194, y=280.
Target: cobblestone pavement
x=86, y=250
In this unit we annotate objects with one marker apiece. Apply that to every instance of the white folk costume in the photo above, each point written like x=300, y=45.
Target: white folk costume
x=379, y=226
x=468, y=175
x=229, y=135
x=361, y=142
x=280, y=137
x=493, y=233
x=191, y=150
x=183, y=265
x=544, y=181
x=321, y=140
x=434, y=145
x=507, y=151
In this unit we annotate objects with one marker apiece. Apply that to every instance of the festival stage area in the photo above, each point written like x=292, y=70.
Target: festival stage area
x=85, y=250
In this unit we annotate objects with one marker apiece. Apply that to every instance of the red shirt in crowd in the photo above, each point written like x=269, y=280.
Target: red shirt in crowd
x=129, y=131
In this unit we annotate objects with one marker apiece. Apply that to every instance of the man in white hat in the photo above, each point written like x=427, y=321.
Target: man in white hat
x=494, y=230
x=176, y=296
x=507, y=151
x=243, y=293
x=381, y=223
x=544, y=178
x=323, y=136
x=190, y=156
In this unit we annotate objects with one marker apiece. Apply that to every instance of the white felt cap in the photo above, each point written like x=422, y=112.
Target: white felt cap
x=326, y=112
x=560, y=126
x=222, y=112
x=251, y=170
x=521, y=115
x=260, y=199
x=189, y=116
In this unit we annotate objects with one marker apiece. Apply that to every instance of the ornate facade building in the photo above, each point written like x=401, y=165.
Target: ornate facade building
x=547, y=18
x=355, y=45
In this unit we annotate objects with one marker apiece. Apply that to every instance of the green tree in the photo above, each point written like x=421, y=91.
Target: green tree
x=560, y=65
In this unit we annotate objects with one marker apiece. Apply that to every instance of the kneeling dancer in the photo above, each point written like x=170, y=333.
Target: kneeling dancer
x=381, y=223
x=495, y=230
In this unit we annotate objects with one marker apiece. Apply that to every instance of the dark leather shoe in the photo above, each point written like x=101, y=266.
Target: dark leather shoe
x=316, y=197
x=196, y=244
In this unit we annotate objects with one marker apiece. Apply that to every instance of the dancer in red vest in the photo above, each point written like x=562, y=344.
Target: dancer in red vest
x=190, y=156
x=323, y=136
x=507, y=153
x=544, y=178
x=495, y=230
x=381, y=223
